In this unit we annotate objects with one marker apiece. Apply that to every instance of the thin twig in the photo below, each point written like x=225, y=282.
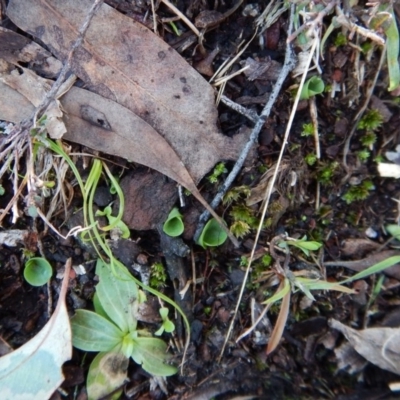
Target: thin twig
x=287, y=67
x=249, y=114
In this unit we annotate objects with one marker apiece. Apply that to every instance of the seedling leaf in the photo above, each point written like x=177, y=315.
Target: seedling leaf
x=118, y=295
x=394, y=230
x=92, y=332
x=173, y=226
x=213, y=235
x=374, y=269
x=151, y=354
x=107, y=372
x=37, y=271
x=313, y=86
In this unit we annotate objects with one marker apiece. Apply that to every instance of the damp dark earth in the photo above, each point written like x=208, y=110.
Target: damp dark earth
x=199, y=200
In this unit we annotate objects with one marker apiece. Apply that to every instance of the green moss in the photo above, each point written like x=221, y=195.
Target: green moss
x=308, y=129
x=359, y=192
x=371, y=121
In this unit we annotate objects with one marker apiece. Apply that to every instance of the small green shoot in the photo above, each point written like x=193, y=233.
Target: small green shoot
x=118, y=224
x=112, y=331
x=175, y=29
x=392, y=49
x=340, y=40
x=359, y=192
x=167, y=325
x=393, y=230
x=218, y=171
x=313, y=86
x=212, y=235
x=304, y=245
x=173, y=226
x=2, y=190
x=37, y=271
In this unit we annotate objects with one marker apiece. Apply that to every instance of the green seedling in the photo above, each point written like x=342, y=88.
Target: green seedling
x=92, y=230
x=359, y=192
x=113, y=332
x=2, y=190
x=117, y=224
x=37, y=271
x=293, y=281
x=218, y=171
x=393, y=230
x=173, y=226
x=392, y=49
x=340, y=40
x=167, y=325
x=313, y=86
x=213, y=235
x=303, y=244
x=175, y=29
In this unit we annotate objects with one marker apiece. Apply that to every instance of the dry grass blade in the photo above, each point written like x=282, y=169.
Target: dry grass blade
x=280, y=324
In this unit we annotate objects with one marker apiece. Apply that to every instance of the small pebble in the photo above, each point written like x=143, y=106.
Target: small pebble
x=371, y=233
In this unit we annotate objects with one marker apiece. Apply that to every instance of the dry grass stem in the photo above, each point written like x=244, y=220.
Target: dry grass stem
x=181, y=16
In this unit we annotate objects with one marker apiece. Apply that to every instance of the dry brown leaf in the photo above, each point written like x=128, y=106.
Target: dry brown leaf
x=18, y=49
x=280, y=324
x=34, y=89
x=108, y=127
x=125, y=62
x=380, y=346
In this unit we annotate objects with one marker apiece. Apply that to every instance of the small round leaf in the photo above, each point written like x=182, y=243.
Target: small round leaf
x=37, y=271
